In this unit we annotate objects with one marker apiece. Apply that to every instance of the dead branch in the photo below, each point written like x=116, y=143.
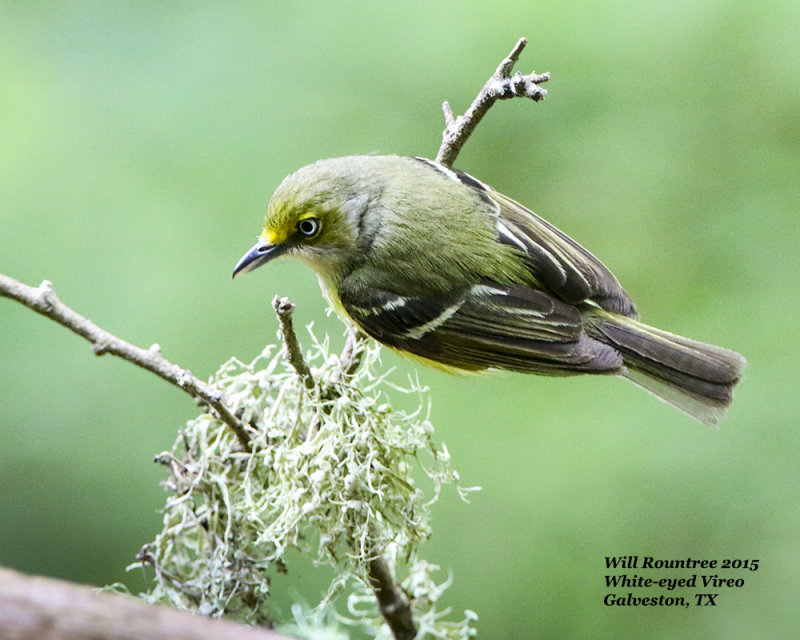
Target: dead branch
x=43, y=300
x=500, y=86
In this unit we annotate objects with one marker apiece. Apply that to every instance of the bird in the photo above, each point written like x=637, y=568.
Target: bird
x=437, y=265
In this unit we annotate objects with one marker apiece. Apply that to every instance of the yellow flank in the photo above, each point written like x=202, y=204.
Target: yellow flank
x=447, y=368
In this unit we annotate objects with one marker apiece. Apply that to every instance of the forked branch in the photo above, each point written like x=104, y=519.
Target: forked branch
x=500, y=86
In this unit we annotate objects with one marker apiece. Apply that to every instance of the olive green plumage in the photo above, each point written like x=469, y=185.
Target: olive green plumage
x=436, y=264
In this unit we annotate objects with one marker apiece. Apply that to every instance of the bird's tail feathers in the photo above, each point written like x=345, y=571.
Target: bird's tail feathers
x=695, y=377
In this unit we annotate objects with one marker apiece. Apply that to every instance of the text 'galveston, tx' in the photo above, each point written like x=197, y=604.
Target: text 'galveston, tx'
x=687, y=581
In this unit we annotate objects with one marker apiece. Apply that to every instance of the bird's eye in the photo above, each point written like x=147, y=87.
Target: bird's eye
x=309, y=227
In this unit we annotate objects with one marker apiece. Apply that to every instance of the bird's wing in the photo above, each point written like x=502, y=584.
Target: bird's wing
x=556, y=261
x=486, y=326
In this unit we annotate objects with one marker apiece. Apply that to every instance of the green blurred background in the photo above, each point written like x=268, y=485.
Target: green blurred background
x=140, y=141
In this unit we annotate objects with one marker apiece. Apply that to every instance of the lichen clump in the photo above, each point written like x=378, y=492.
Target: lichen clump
x=330, y=475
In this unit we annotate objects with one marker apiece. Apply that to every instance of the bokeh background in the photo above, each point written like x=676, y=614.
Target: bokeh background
x=139, y=143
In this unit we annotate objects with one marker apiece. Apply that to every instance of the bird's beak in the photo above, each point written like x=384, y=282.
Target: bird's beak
x=260, y=254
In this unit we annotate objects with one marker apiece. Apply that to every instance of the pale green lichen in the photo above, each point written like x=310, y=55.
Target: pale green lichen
x=330, y=475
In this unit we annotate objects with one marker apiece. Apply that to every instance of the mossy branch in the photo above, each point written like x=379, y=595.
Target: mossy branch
x=392, y=600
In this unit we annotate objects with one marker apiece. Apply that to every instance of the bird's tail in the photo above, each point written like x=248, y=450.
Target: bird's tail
x=696, y=378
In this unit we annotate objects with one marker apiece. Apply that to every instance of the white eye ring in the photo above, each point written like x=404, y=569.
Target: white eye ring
x=309, y=227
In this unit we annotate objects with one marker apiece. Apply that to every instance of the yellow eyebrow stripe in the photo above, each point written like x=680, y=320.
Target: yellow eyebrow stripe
x=275, y=236
x=279, y=235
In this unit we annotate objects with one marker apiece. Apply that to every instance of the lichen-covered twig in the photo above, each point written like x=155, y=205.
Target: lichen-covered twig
x=43, y=300
x=392, y=601
x=500, y=86
x=350, y=358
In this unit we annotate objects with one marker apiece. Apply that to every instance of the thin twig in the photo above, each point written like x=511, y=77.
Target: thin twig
x=392, y=600
x=294, y=354
x=350, y=358
x=43, y=300
x=500, y=86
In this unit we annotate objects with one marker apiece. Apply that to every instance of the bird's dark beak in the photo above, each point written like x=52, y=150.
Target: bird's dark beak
x=260, y=254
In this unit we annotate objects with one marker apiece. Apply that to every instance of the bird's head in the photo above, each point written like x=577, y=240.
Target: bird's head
x=314, y=215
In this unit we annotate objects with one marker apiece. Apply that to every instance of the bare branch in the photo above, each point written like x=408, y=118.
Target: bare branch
x=392, y=600
x=34, y=608
x=294, y=354
x=449, y=117
x=43, y=300
x=500, y=86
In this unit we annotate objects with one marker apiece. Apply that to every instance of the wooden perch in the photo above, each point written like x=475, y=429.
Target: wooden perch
x=34, y=608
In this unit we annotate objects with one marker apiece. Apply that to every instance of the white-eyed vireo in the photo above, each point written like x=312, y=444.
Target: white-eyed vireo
x=432, y=262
